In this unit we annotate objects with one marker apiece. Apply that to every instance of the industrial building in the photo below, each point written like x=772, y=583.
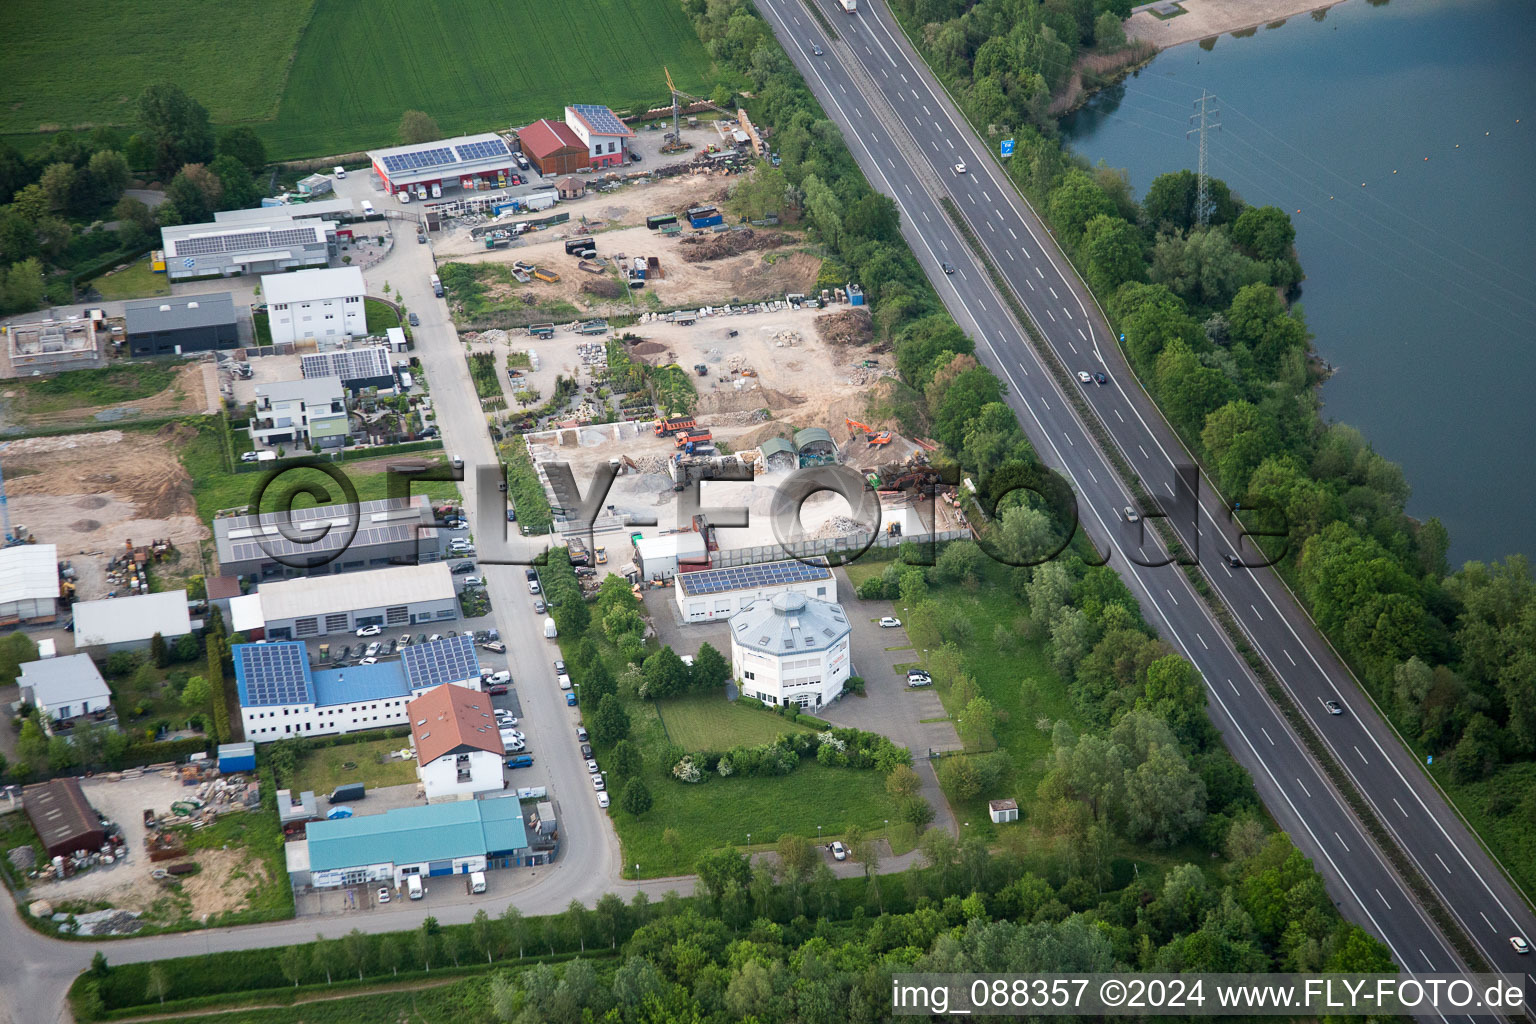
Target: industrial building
x=325, y=305
x=467, y=162
x=601, y=132
x=458, y=743
x=721, y=593
x=178, y=325
x=665, y=557
x=65, y=688
x=284, y=240
x=302, y=413
x=358, y=369
x=29, y=584
x=333, y=209
x=389, y=531
x=438, y=839
x=281, y=696
x=63, y=819
x=553, y=148
x=791, y=649
x=397, y=597
x=815, y=446
x=130, y=623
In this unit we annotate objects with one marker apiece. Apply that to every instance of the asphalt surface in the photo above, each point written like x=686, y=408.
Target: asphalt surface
x=908, y=136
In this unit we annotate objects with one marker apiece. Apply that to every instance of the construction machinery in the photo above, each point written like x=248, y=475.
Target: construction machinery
x=676, y=423
x=676, y=144
x=870, y=434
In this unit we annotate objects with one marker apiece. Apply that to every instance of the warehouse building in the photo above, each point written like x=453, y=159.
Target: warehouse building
x=358, y=369
x=130, y=623
x=63, y=819
x=65, y=688
x=29, y=584
x=721, y=593
x=605, y=137
x=334, y=208
x=181, y=325
x=467, y=162
x=324, y=305
x=281, y=696
x=397, y=597
x=431, y=841
x=791, y=650
x=282, y=241
x=458, y=743
x=553, y=148
x=373, y=534
x=664, y=557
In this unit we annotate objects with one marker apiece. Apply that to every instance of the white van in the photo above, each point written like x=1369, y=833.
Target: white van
x=550, y=632
x=341, y=172
x=476, y=882
x=367, y=208
x=413, y=886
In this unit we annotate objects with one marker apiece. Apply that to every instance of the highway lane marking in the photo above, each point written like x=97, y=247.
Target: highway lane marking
x=928, y=112
x=1389, y=907
x=1009, y=252
x=1362, y=756
x=1031, y=285
x=893, y=167
x=1229, y=576
x=1067, y=311
x=951, y=143
x=907, y=187
x=869, y=51
x=925, y=215
x=1421, y=953
x=886, y=73
x=944, y=244
x=1072, y=347
x=1289, y=658
x=987, y=195
x=914, y=96
x=904, y=78
x=796, y=17
x=1013, y=236
x=1090, y=473
x=1143, y=451
x=856, y=110
x=1267, y=735
x=970, y=199
x=1118, y=416
x=1202, y=641
x=962, y=274
x=1170, y=488
x=841, y=89
x=1053, y=294
x=1046, y=404
x=983, y=305
x=1051, y=315
x=1341, y=842
x=1026, y=254
x=1304, y=788
x=1080, y=334
x=1486, y=921
x=1400, y=807
x=1170, y=595
x=1042, y=276
x=1069, y=439
x=1443, y=864
x=1255, y=610
x=1235, y=690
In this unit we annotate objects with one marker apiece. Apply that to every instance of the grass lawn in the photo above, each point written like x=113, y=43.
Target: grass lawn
x=381, y=316
x=123, y=382
x=261, y=325
x=136, y=282
x=322, y=769
x=703, y=722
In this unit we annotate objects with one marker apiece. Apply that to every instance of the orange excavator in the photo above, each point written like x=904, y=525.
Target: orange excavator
x=870, y=435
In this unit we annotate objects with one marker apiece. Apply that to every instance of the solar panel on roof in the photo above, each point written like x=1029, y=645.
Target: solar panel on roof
x=449, y=660
x=752, y=577
x=275, y=673
x=601, y=119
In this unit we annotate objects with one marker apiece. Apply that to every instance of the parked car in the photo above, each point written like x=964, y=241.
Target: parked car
x=570, y=699
x=383, y=894
x=249, y=456
x=344, y=653
x=494, y=645
x=839, y=851
x=369, y=630
x=394, y=645
x=559, y=665
x=890, y=622
x=520, y=761
x=591, y=767
x=515, y=734
x=917, y=679
x=405, y=639
x=598, y=783
x=474, y=581
x=530, y=574
x=462, y=567
x=564, y=681
x=499, y=678
x=539, y=608
x=634, y=157
x=374, y=649
x=497, y=691
x=434, y=638
x=602, y=800
x=581, y=733
x=511, y=515
x=421, y=638
x=370, y=660
x=533, y=586
x=413, y=320
x=586, y=750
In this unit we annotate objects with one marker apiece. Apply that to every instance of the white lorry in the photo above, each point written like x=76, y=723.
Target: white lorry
x=849, y=5
x=413, y=886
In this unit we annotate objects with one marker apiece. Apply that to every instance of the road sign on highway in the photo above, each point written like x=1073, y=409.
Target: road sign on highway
x=1006, y=147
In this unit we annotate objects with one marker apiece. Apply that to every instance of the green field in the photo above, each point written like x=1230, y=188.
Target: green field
x=322, y=770
x=710, y=722
x=136, y=282
x=318, y=77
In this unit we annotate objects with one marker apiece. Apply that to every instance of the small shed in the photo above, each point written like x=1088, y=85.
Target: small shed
x=543, y=818
x=1003, y=810
x=237, y=757
x=571, y=187
x=291, y=809
x=315, y=185
x=815, y=447
x=64, y=821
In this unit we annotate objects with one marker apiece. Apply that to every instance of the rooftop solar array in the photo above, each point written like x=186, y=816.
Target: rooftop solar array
x=348, y=364
x=239, y=543
x=275, y=674
x=600, y=119
x=418, y=159
x=751, y=577
x=481, y=150
x=449, y=660
x=244, y=241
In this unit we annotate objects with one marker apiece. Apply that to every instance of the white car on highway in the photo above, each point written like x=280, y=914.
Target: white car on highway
x=1084, y=377
x=960, y=168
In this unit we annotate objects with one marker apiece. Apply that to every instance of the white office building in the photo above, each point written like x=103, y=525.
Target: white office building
x=720, y=593
x=316, y=304
x=791, y=649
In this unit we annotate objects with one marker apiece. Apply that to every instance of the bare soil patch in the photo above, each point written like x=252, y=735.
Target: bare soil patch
x=186, y=395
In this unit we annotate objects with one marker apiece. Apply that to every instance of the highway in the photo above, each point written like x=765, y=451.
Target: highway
x=907, y=136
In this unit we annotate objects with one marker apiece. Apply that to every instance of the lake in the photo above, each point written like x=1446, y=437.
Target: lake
x=1401, y=138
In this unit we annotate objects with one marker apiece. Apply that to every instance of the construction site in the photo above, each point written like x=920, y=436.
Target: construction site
x=52, y=346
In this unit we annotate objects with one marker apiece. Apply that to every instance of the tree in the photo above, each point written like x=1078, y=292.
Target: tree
x=424, y=942
x=244, y=145
x=611, y=722
x=293, y=962
x=1238, y=437
x=159, y=651
x=959, y=778
x=1264, y=232
x=610, y=913
x=1164, y=799
x=357, y=947
x=391, y=954
x=24, y=286
x=797, y=857
x=710, y=670
x=108, y=175
x=159, y=984
x=32, y=746
x=238, y=189
x=216, y=691
x=625, y=761
x=1114, y=250
x=196, y=191
x=416, y=126
x=322, y=956
x=483, y=934
x=636, y=799
x=903, y=782
x=977, y=721
x=665, y=675
x=1075, y=201
x=721, y=867
x=175, y=128
x=1171, y=201
x=516, y=927
x=1108, y=32
x=58, y=185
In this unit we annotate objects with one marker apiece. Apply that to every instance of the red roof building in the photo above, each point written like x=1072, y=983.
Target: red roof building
x=458, y=743
x=553, y=148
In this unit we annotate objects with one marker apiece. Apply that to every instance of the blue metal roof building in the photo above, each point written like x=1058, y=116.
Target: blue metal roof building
x=437, y=839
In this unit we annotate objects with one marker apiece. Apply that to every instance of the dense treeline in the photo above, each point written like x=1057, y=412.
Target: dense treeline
x=59, y=196
x=1202, y=298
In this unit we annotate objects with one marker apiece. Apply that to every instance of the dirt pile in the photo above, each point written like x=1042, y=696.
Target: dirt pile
x=602, y=288
x=703, y=248
x=846, y=327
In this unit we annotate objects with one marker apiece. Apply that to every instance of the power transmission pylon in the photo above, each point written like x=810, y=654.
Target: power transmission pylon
x=1203, y=194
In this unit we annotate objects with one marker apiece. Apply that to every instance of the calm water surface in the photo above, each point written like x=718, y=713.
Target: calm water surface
x=1421, y=286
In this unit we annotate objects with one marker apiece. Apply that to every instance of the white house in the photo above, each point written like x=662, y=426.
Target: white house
x=791, y=649
x=458, y=744
x=720, y=593
x=65, y=688
x=301, y=413
x=600, y=130
x=319, y=304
